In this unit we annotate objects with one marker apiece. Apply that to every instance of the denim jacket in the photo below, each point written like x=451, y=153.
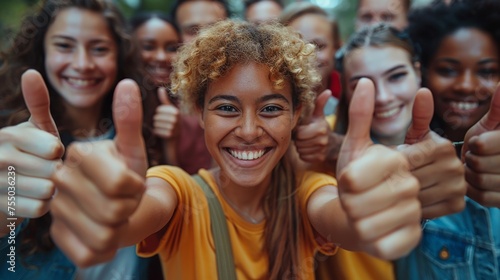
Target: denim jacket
x=464, y=246
x=55, y=265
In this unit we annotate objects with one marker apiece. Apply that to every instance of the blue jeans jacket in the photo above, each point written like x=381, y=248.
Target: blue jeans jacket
x=55, y=265
x=464, y=246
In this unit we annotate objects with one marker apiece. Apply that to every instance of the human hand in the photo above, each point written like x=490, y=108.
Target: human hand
x=376, y=188
x=166, y=118
x=311, y=136
x=100, y=185
x=434, y=162
x=481, y=154
x=29, y=154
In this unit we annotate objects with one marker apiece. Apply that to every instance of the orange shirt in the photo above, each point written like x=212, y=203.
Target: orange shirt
x=186, y=246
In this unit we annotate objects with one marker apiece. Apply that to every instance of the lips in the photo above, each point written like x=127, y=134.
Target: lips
x=387, y=113
x=464, y=106
x=247, y=155
x=79, y=82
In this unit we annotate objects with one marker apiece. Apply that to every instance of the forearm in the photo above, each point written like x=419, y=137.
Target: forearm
x=330, y=221
x=154, y=212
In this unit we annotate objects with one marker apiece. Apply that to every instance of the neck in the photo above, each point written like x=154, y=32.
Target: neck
x=392, y=141
x=455, y=135
x=84, y=122
x=246, y=201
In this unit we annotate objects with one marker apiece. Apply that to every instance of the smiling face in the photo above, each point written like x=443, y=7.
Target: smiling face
x=248, y=124
x=396, y=82
x=317, y=29
x=80, y=57
x=159, y=42
x=462, y=76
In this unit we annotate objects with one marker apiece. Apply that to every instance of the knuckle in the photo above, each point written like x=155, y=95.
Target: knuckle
x=47, y=189
x=39, y=208
x=457, y=205
x=116, y=212
x=349, y=206
x=105, y=238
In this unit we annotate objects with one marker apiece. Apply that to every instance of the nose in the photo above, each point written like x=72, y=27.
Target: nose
x=383, y=94
x=160, y=55
x=82, y=60
x=467, y=82
x=249, y=127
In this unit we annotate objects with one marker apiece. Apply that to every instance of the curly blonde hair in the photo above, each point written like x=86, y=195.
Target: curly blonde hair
x=228, y=43
x=290, y=60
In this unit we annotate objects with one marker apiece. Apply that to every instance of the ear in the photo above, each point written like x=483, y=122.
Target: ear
x=296, y=116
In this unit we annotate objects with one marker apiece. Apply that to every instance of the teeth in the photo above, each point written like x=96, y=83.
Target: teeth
x=247, y=155
x=387, y=114
x=464, y=105
x=81, y=82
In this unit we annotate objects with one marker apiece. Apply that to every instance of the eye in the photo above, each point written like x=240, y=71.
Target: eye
x=100, y=50
x=388, y=17
x=148, y=47
x=191, y=30
x=366, y=17
x=320, y=46
x=172, y=48
x=488, y=73
x=64, y=47
x=272, y=109
x=397, y=76
x=227, y=108
x=446, y=71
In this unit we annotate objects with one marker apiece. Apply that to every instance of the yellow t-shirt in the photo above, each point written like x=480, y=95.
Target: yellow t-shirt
x=186, y=246
x=347, y=265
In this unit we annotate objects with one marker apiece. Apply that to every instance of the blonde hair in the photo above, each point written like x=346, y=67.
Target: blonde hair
x=228, y=43
x=215, y=51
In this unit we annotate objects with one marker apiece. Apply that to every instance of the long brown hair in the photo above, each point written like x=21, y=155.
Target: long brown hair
x=27, y=51
x=214, y=52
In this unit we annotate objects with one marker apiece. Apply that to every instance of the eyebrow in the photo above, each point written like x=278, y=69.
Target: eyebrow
x=455, y=61
x=397, y=67
x=98, y=40
x=233, y=98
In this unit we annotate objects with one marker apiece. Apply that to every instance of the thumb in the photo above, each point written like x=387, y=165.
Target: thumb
x=162, y=95
x=361, y=108
x=37, y=100
x=423, y=110
x=127, y=116
x=319, y=104
x=490, y=121
x=319, y=107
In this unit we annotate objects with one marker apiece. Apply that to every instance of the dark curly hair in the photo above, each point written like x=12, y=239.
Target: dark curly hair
x=430, y=24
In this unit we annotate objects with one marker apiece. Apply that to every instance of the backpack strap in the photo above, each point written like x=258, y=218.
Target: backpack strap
x=223, y=250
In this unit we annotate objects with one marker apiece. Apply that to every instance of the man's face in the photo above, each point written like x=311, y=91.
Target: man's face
x=195, y=15
x=374, y=11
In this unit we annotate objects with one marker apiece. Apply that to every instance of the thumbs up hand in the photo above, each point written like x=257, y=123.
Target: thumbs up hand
x=434, y=162
x=311, y=136
x=166, y=117
x=376, y=189
x=481, y=154
x=29, y=154
x=101, y=185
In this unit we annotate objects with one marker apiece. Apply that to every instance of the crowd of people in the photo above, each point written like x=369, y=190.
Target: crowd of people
x=195, y=145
